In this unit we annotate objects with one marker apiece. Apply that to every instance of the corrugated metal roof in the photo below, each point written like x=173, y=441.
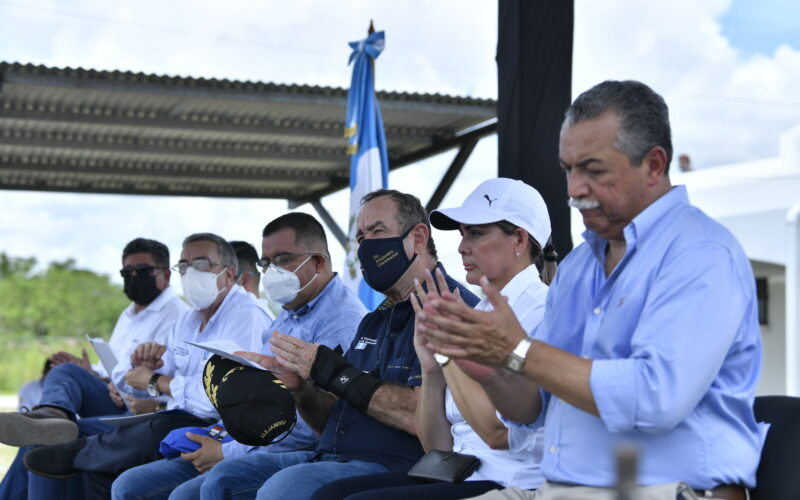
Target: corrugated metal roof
x=74, y=129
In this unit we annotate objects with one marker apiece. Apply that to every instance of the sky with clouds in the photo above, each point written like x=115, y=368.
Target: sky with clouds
x=729, y=70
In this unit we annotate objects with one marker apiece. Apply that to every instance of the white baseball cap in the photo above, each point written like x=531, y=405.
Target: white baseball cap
x=495, y=200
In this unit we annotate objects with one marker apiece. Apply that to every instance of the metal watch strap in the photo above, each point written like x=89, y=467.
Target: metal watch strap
x=516, y=360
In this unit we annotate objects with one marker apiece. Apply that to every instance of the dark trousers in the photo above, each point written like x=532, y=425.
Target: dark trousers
x=107, y=455
x=396, y=486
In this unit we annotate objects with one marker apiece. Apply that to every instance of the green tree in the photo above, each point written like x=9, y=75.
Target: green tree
x=59, y=301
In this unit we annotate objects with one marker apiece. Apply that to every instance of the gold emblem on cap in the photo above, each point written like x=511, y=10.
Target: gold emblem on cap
x=211, y=389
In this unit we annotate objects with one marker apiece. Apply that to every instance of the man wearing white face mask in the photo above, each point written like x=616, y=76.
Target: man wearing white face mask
x=317, y=308
x=221, y=310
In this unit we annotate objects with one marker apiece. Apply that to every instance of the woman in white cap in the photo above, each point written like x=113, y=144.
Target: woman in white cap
x=505, y=230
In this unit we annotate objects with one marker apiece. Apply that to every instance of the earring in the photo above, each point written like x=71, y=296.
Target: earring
x=517, y=253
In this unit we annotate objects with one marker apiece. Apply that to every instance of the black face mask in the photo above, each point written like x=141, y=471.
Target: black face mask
x=383, y=261
x=141, y=289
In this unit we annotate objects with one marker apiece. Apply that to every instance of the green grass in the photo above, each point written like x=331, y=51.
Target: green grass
x=22, y=360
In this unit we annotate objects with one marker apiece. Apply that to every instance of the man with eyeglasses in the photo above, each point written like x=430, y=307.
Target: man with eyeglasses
x=221, y=310
x=317, y=308
x=363, y=402
x=74, y=387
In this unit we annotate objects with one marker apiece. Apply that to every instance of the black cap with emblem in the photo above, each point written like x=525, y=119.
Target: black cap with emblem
x=254, y=405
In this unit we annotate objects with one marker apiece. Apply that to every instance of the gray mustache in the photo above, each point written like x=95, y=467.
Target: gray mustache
x=583, y=203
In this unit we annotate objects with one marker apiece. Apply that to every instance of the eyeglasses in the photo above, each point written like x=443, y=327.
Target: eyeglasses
x=197, y=264
x=282, y=260
x=140, y=270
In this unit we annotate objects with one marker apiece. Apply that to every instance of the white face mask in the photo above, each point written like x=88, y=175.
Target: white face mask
x=281, y=285
x=200, y=287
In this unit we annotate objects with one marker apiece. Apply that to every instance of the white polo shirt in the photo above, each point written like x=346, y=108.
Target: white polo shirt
x=153, y=323
x=519, y=464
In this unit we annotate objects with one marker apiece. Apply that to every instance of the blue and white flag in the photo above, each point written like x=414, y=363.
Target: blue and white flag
x=369, y=163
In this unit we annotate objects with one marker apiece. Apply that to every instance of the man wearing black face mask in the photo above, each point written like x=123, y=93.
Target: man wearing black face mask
x=71, y=389
x=75, y=388
x=362, y=403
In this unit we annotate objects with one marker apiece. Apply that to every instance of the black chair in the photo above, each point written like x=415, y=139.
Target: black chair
x=778, y=475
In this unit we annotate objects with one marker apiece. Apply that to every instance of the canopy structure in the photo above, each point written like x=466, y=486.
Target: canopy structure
x=87, y=131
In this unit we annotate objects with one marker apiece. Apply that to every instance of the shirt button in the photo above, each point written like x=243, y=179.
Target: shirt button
x=585, y=356
x=294, y=316
x=341, y=433
x=597, y=310
x=553, y=449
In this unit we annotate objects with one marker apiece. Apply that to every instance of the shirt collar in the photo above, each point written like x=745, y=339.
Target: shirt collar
x=517, y=286
x=305, y=308
x=235, y=289
x=643, y=225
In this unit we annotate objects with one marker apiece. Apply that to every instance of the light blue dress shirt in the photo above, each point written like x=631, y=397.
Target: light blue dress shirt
x=675, y=346
x=331, y=319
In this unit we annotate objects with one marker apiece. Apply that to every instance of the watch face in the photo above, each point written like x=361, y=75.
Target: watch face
x=514, y=364
x=152, y=390
x=441, y=358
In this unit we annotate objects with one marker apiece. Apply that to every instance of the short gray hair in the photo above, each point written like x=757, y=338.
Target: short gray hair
x=643, y=116
x=226, y=253
x=409, y=213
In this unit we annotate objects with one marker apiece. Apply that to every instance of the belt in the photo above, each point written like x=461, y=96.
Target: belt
x=725, y=492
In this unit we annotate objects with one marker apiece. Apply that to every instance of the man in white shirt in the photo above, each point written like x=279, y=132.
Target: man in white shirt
x=76, y=388
x=222, y=310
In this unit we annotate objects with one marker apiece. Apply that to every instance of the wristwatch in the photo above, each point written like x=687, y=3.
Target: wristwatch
x=441, y=359
x=152, y=385
x=516, y=360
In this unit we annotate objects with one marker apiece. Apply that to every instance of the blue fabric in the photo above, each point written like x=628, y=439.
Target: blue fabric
x=241, y=477
x=366, y=143
x=384, y=347
x=363, y=119
x=176, y=441
x=330, y=319
x=274, y=475
x=15, y=482
x=75, y=390
x=189, y=489
x=123, y=447
x=395, y=486
x=675, y=346
x=152, y=481
x=43, y=488
x=306, y=478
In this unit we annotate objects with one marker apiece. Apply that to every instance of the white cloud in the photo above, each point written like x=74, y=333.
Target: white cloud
x=725, y=107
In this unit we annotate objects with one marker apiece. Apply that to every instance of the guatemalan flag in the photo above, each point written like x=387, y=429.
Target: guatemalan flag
x=369, y=163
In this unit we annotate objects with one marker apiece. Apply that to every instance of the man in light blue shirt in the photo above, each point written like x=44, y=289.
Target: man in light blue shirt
x=317, y=308
x=650, y=334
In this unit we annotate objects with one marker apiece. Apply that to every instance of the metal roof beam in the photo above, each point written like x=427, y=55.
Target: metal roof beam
x=340, y=235
x=152, y=169
x=439, y=147
x=138, y=143
x=452, y=172
x=162, y=118
x=25, y=182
